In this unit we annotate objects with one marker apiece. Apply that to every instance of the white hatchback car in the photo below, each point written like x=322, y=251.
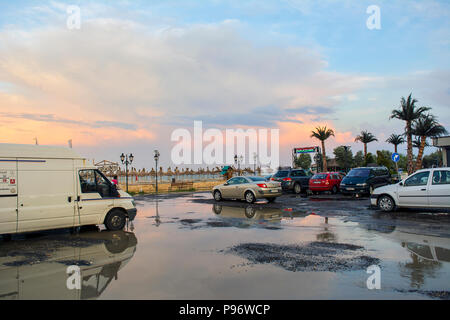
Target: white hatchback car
x=427, y=188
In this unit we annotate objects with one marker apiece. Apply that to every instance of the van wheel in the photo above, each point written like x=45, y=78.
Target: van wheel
x=249, y=197
x=297, y=188
x=386, y=203
x=115, y=220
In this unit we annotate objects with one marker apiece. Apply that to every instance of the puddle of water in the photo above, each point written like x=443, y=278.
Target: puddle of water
x=190, y=250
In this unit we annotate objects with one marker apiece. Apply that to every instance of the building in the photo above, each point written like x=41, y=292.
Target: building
x=444, y=144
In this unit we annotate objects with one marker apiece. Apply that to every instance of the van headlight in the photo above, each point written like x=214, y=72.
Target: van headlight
x=133, y=203
x=362, y=184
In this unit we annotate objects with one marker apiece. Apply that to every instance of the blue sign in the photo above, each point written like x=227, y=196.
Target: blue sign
x=395, y=157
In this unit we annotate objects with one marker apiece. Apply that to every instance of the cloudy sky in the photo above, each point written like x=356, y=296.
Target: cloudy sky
x=137, y=70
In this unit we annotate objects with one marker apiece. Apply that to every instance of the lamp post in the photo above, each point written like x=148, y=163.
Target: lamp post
x=156, y=157
x=238, y=160
x=126, y=160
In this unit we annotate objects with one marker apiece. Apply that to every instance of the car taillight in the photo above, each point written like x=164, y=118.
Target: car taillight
x=272, y=179
x=262, y=185
x=327, y=182
x=287, y=179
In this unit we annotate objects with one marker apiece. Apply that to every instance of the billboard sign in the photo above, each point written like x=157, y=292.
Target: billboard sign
x=306, y=150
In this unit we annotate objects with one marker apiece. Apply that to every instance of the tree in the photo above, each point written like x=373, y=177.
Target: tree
x=322, y=134
x=365, y=137
x=303, y=161
x=396, y=140
x=425, y=127
x=370, y=160
x=417, y=142
x=433, y=160
x=344, y=157
x=409, y=112
x=358, y=160
x=384, y=158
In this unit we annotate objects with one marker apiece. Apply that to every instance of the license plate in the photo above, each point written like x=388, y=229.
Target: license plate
x=273, y=190
x=350, y=189
x=316, y=182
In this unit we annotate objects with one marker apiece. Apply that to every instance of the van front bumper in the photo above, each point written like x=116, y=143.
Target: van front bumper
x=131, y=214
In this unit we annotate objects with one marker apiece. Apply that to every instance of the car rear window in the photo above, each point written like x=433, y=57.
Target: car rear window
x=280, y=174
x=319, y=176
x=257, y=179
x=359, y=173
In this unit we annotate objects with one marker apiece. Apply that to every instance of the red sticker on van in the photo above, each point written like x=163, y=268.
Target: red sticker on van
x=12, y=181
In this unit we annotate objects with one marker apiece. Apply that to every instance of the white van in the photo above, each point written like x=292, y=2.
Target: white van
x=45, y=187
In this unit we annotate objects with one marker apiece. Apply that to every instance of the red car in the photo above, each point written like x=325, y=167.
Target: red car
x=326, y=181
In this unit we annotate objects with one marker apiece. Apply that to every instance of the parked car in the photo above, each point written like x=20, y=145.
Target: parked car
x=248, y=189
x=268, y=177
x=296, y=180
x=325, y=181
x=427, y=188
x=365, y=180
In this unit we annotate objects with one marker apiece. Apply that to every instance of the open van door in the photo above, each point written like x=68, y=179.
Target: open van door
x=95, y=196
x=8, y=196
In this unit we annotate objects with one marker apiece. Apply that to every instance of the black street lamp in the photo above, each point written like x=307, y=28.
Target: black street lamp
x=156, y=157
x=126, y=160
x=238, y=160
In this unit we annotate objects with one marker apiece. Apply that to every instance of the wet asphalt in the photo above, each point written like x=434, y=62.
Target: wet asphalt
x=188, y=246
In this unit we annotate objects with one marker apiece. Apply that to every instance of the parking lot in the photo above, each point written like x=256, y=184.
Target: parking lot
x=188, y=246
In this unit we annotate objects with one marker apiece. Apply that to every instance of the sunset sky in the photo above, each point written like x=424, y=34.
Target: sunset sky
x=137, y=70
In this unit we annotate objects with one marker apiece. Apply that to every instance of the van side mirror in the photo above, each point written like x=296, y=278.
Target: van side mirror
x=401, y=183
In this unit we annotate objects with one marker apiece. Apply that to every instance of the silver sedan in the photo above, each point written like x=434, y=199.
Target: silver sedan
x=247, y=188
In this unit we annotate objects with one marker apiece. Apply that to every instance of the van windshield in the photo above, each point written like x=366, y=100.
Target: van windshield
x=363, y=173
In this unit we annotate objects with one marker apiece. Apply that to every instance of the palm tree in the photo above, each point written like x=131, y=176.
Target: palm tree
x=409, y=112
x=426, y=127
x=366, y=137
x=396, y=140
x=417, y=142
x=322, y=134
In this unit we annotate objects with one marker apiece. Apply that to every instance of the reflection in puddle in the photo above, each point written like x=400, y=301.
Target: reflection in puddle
x=37, y=268
x=427, y=256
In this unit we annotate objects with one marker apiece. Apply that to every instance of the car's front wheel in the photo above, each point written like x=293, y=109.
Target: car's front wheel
x=386, y=203
x=297, y=188
x=217, y=195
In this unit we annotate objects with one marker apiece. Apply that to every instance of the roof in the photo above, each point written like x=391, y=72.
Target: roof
x=36, y=152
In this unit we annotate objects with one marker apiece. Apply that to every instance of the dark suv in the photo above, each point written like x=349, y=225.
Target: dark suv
x=296, y=180
x=365, y=180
